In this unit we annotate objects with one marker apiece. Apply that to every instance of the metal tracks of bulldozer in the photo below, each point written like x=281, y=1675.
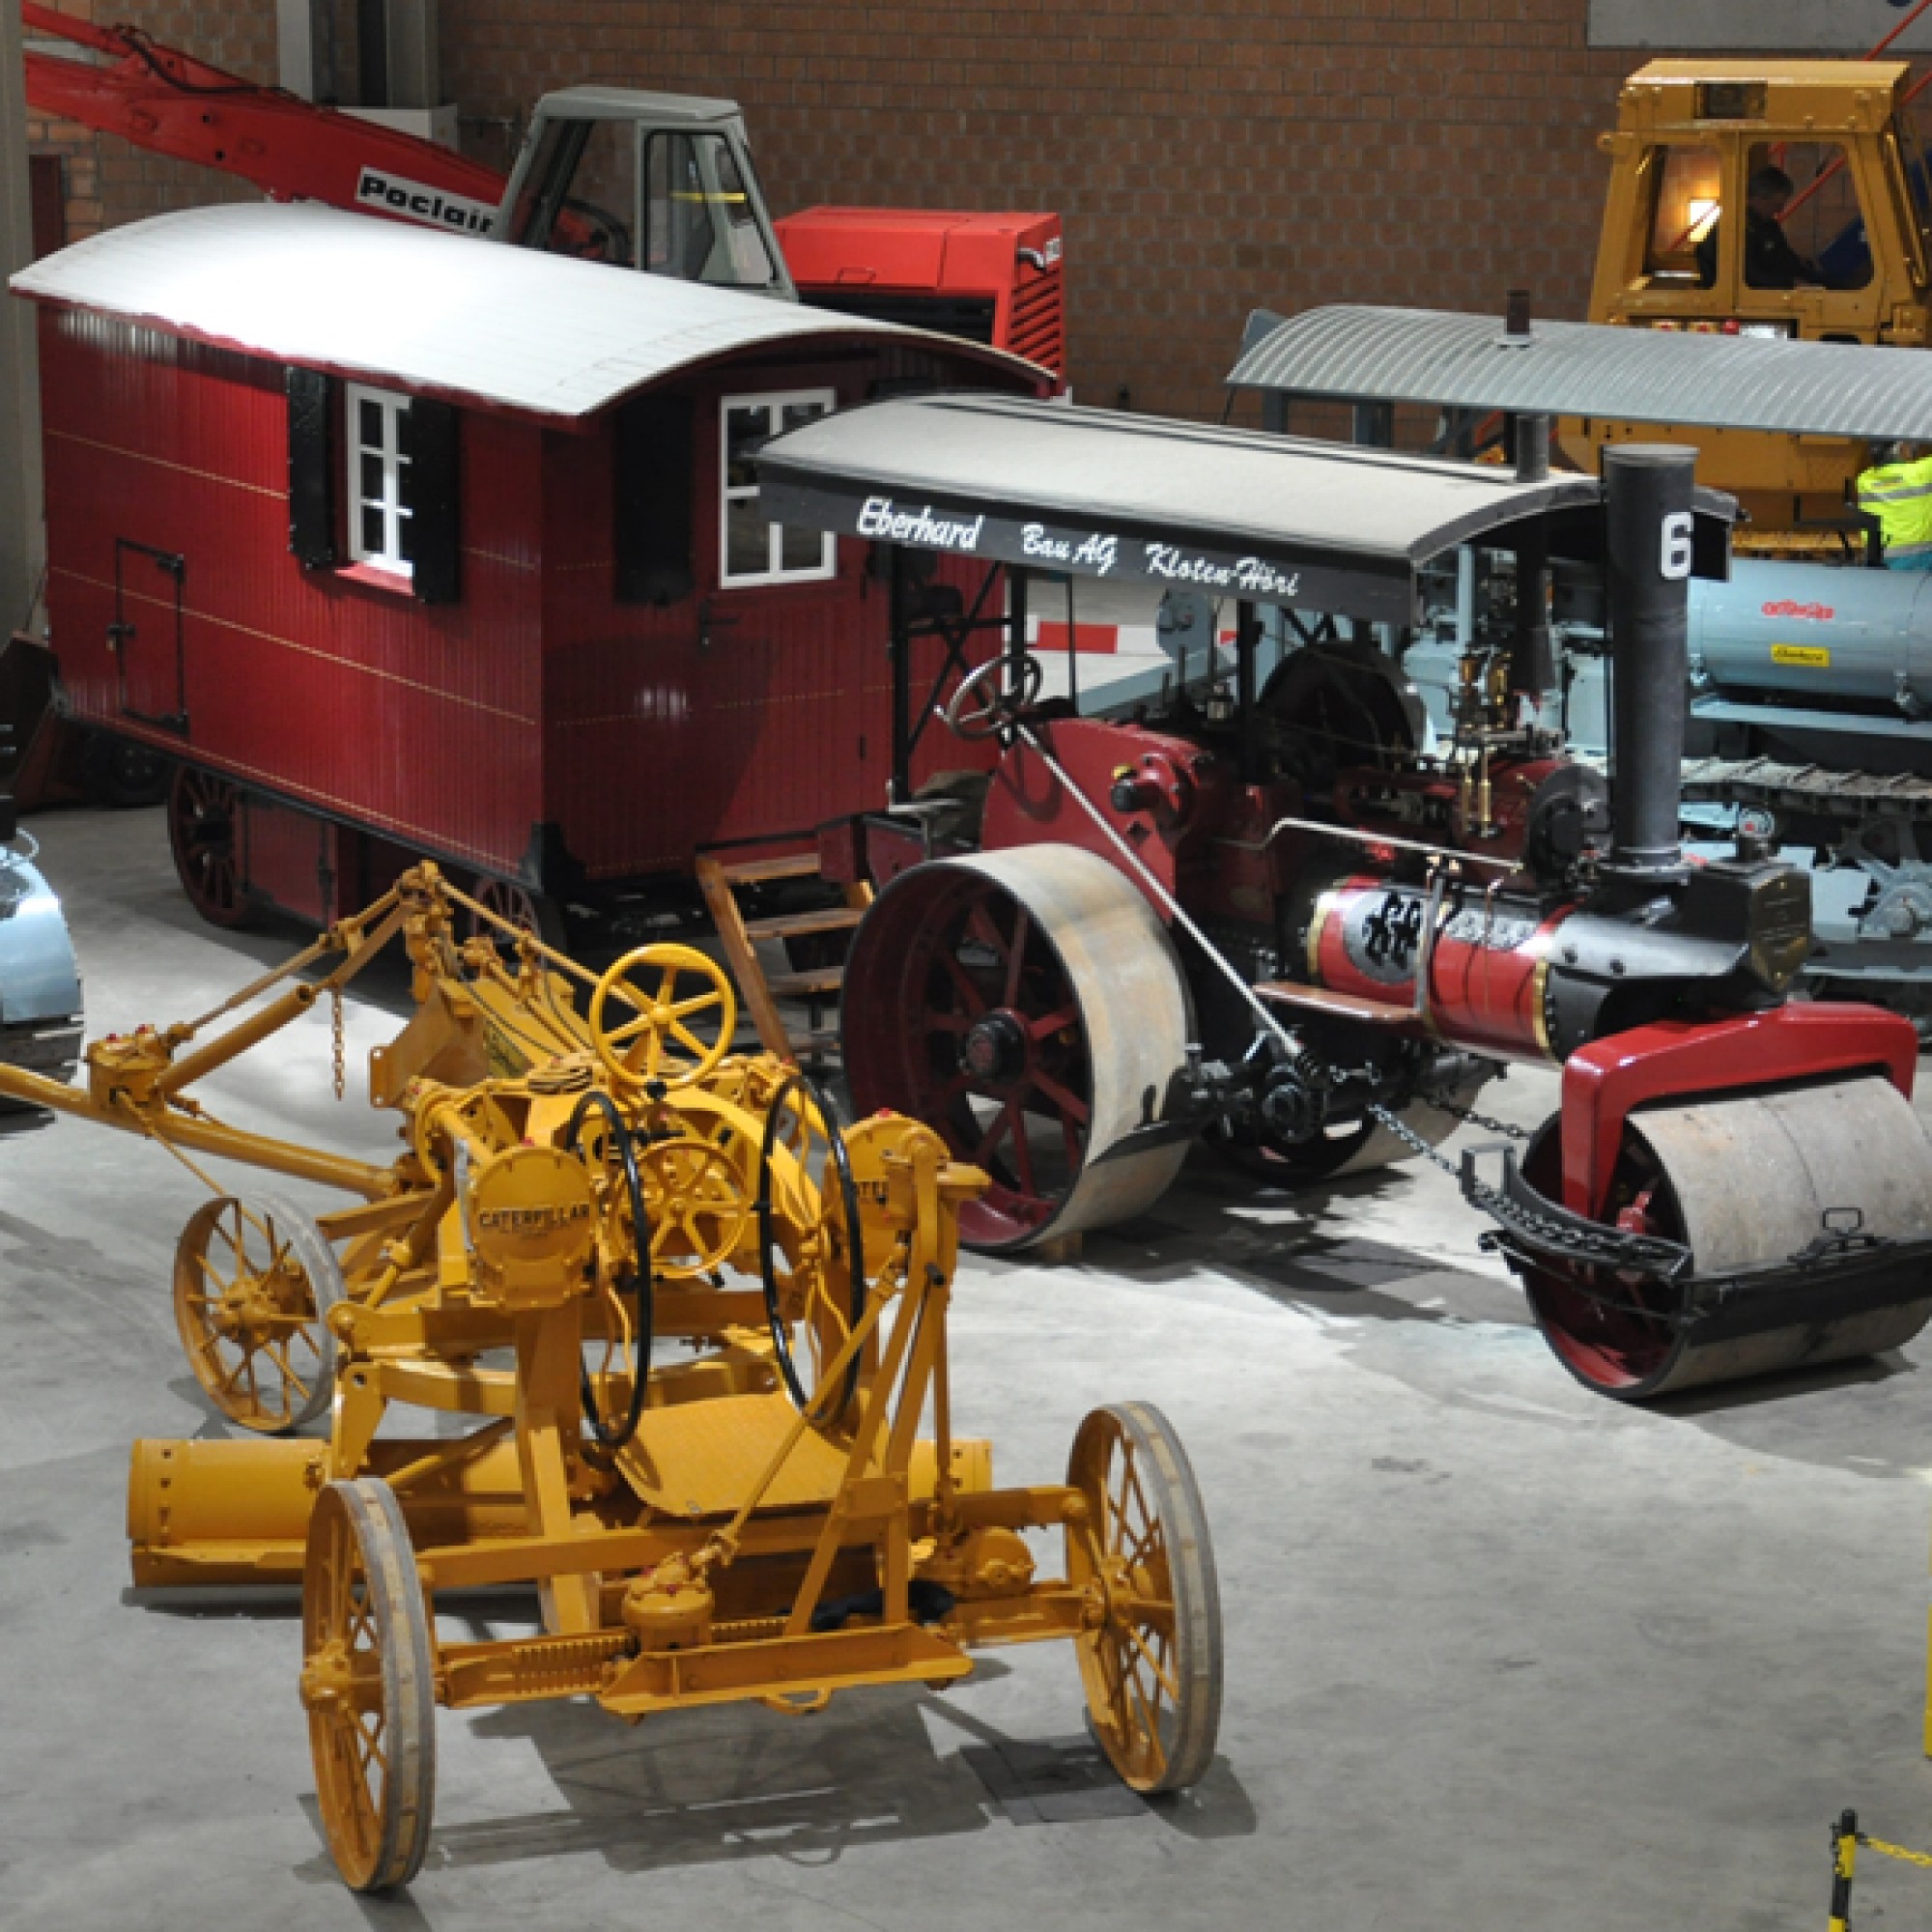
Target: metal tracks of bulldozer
x=1814, y=791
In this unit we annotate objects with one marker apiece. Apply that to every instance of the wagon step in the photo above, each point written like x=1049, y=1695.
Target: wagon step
x=798, y=925
x=815, y=981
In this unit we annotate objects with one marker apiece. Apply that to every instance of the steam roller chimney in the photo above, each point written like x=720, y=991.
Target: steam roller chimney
x=1648, y=491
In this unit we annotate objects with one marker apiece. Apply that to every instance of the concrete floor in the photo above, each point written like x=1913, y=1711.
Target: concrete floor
x=1499, y=1651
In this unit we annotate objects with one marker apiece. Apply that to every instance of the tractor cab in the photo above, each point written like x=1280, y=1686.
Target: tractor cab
x=658, y=181
x=1783, y=199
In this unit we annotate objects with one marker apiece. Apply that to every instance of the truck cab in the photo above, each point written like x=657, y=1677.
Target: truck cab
x=1774, y=198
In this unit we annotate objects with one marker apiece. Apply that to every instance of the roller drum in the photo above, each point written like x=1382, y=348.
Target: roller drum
x=1749, y=1183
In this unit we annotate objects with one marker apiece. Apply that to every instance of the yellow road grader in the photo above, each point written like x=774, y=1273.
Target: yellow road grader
x=588, y=1173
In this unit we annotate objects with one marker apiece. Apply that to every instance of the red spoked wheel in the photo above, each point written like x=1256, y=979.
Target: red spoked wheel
x=516, y=905
x=204, y=834
x=1030, y=1007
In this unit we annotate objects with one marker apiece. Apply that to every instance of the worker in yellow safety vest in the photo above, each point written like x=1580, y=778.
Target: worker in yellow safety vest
x=1897, y=490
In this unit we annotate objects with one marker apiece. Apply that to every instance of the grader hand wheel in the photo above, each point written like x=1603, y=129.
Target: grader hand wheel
x=799, y=1286
x=659, y=1044
x=698, y=1205
x=254, y=1282
x=616, y=1151
x=1151, y=1666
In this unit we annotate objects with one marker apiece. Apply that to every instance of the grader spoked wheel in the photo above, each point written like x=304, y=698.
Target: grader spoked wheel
x=669, y=991
x=804, y=1285
x=1029, y=1006
x=1151, y=1666
x=698, y=1205
x=615, y=1149
x=368, y=1684
x=203, y=816
x=1845, y=1153
x=254, y=1282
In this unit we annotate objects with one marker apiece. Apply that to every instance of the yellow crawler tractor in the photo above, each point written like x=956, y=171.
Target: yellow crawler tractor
x=1765, y=197
x=587, y=1171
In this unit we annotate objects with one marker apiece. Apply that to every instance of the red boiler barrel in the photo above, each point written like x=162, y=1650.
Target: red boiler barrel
x=1487, y=959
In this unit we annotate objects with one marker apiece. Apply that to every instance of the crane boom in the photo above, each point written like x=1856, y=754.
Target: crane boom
x=171, y=103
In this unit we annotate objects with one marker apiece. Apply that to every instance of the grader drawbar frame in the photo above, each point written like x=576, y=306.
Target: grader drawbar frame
x=587, y=1168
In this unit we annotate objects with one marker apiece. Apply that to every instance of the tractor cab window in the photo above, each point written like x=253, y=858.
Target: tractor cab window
x=703, y=214
x=1804, y=227
x=751, y=549
x=1687, y=186
x=580, y=195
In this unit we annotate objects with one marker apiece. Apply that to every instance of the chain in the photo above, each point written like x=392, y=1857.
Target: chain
x=341, y=1063
x=1488, y=1123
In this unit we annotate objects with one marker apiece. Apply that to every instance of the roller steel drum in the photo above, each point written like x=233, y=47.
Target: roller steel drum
x=1030, y=1007
x=1749, y=1182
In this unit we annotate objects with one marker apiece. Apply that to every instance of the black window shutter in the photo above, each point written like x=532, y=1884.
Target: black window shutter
x=312, y=412
x=656, y=444
x=430, y=535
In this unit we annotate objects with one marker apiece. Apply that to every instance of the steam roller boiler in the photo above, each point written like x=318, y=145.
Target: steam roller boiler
x=1258, y=912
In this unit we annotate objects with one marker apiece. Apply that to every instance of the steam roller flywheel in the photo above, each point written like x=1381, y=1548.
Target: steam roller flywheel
x=1787, y=1201
x=1029, y=1006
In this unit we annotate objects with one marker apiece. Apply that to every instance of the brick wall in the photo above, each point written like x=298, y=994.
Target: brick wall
x=1208, y=156
x=108, y=181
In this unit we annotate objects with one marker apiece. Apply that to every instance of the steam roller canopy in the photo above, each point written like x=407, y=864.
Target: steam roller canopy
x=1030, y=1007
x=1790, y=1203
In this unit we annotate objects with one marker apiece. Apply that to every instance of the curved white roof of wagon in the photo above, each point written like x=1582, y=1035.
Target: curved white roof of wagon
x=475, y=320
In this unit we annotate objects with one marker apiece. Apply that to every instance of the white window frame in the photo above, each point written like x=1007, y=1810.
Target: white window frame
x=392, y=503
x=773, y=403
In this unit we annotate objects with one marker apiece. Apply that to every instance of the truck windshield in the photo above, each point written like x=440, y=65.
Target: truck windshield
x=703, y=214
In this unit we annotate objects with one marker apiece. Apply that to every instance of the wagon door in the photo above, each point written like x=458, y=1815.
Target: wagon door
x=145, y=635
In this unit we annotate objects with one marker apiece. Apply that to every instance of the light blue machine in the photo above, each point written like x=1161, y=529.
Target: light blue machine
x=41, y=1018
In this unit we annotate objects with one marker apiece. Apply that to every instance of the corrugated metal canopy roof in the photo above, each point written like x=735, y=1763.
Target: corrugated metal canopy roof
x=403, y=305
x=1140, y=498
x=1585, y=369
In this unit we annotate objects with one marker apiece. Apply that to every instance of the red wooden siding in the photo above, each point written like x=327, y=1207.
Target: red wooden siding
x=421, y=722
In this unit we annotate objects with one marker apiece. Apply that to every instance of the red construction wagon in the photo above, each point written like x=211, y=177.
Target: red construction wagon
x=401, y=545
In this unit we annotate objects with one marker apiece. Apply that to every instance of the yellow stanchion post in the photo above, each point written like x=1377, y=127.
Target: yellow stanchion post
x=1844, y=1857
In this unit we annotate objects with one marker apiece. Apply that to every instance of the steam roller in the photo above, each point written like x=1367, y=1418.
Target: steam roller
x=778, y=1512
x=1264, y=911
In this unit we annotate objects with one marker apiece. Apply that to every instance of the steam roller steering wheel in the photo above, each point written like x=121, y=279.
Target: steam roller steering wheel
x=996, y=711
x=659, y=1044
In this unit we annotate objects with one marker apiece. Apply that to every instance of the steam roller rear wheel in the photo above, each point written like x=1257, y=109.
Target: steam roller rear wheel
x=1151, y=1664
x=1030, y=1007
x=368, y=1684
x=1746, y=1181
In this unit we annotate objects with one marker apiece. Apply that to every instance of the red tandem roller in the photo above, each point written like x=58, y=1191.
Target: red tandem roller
x=1260, y=910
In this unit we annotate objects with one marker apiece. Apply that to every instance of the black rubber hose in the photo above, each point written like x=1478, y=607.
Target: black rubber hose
x=842, y=1163
x=641, y=1285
